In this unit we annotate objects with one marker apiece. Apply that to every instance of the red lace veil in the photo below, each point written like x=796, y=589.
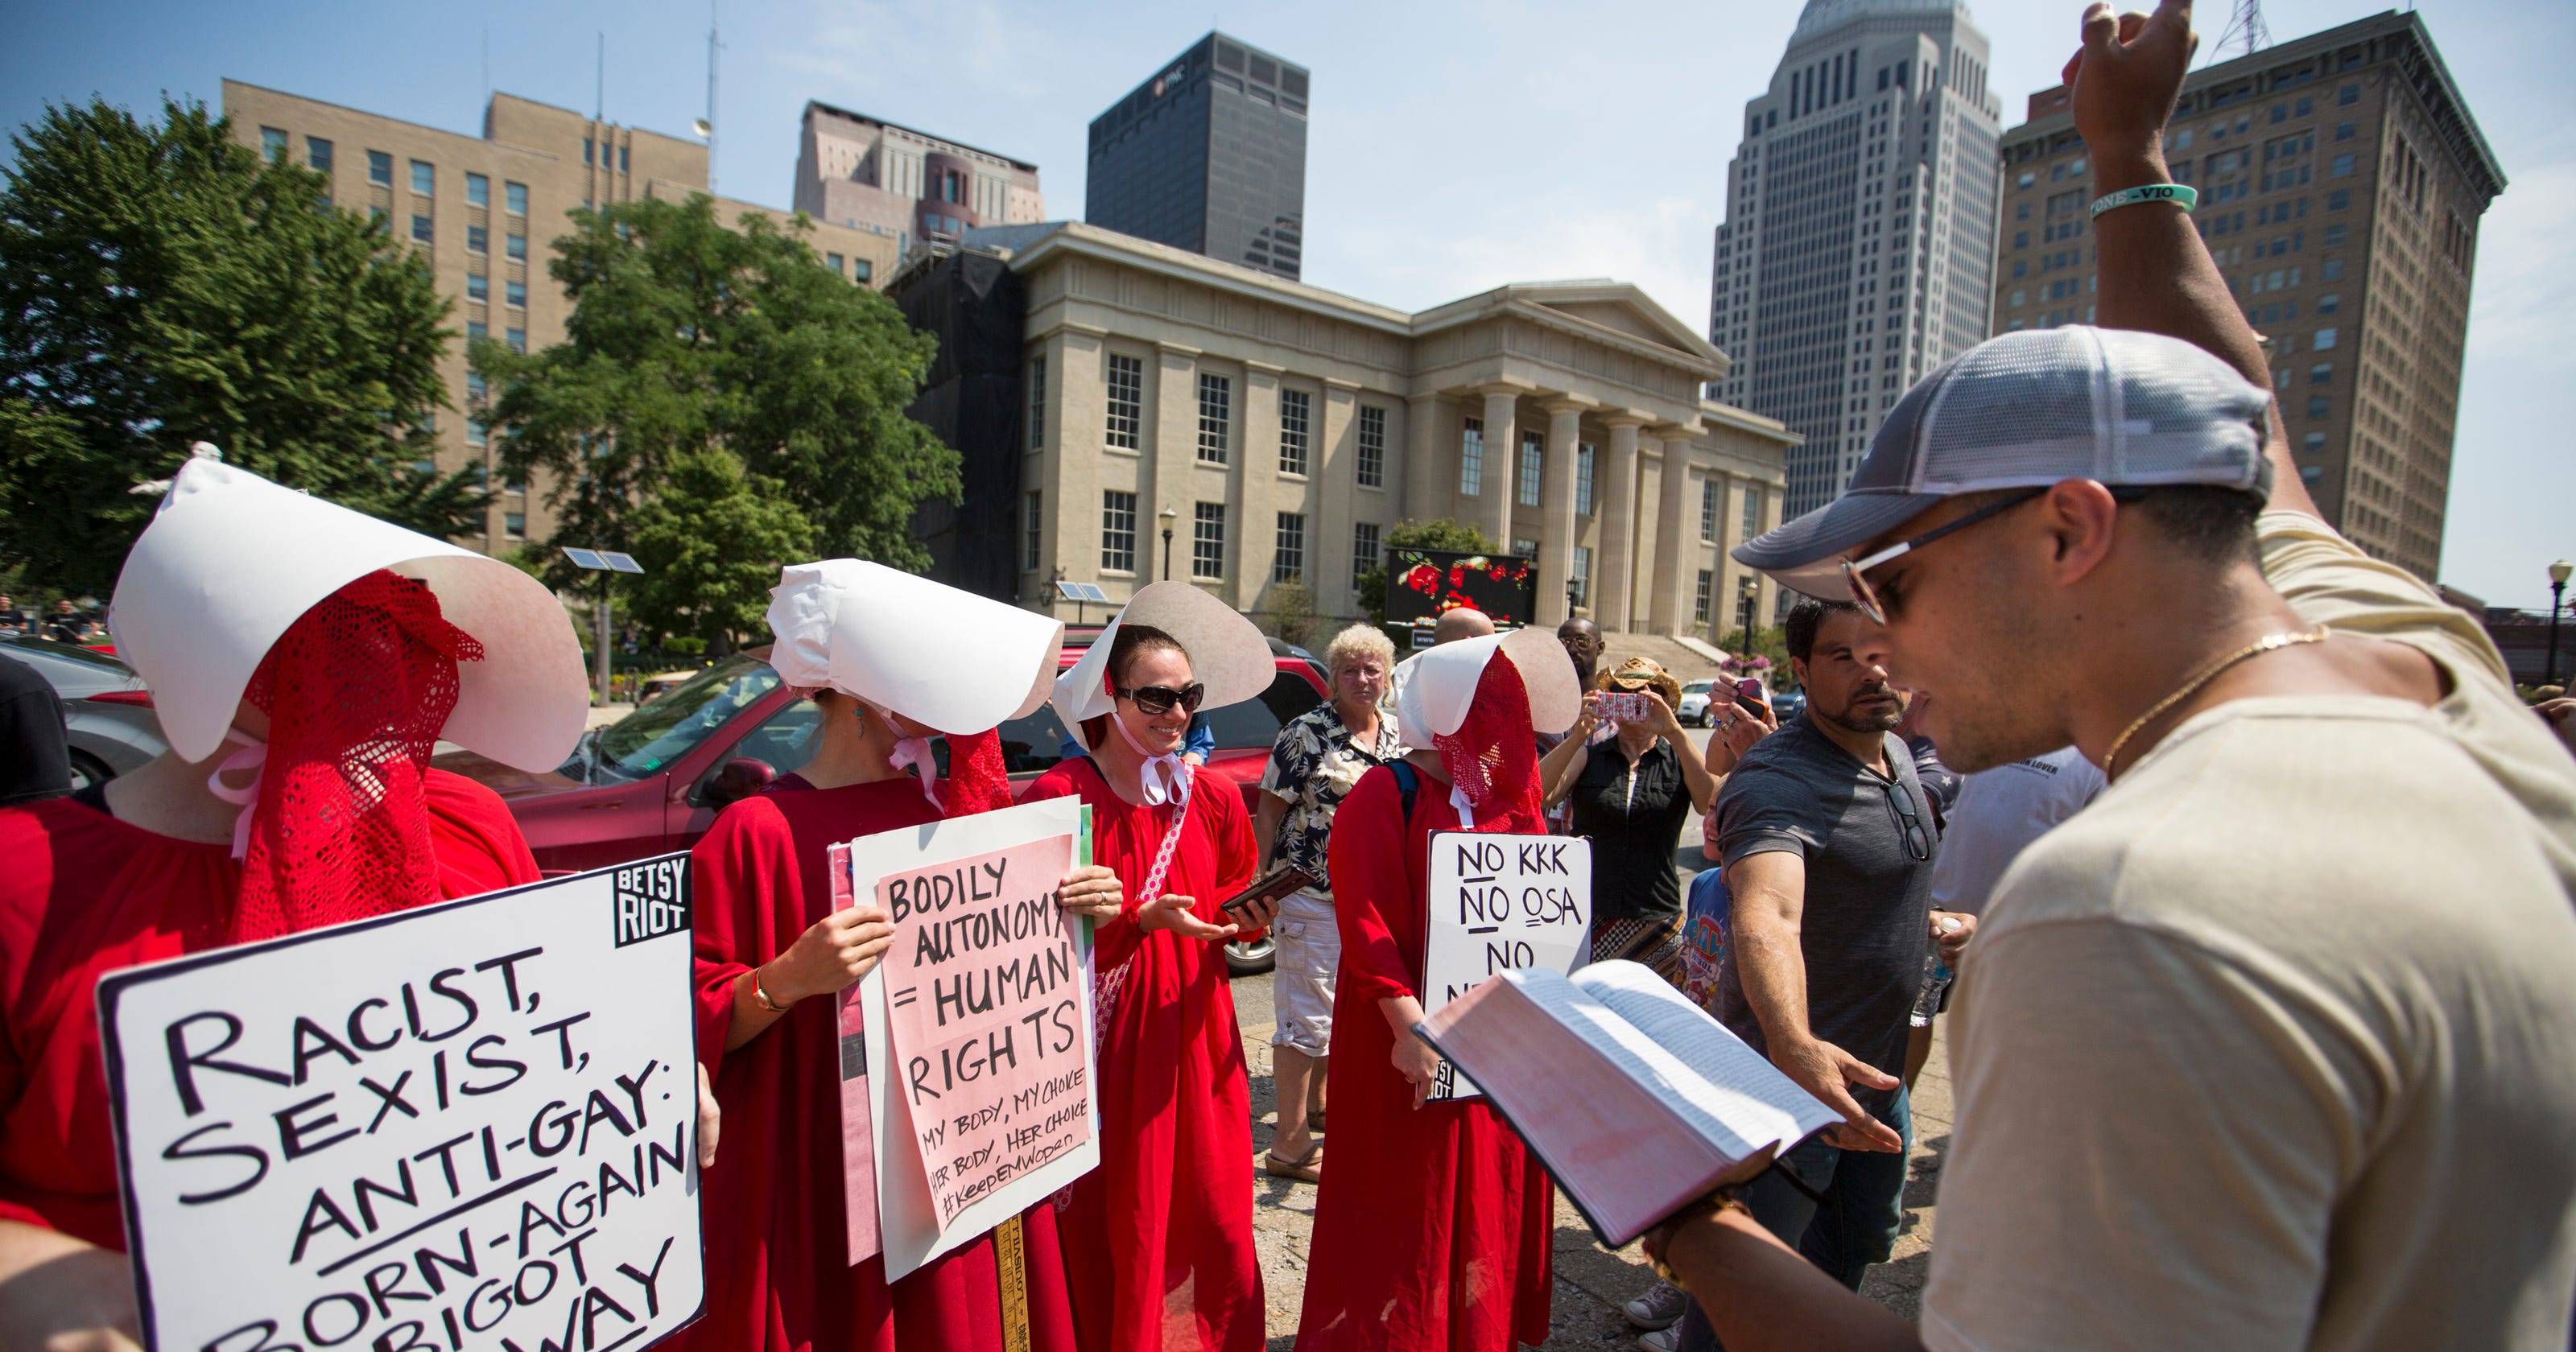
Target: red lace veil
x=977, y=781
x=356, y=691
x=1493, y=757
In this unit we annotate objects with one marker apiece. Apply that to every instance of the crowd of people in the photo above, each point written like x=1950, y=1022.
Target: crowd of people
x=2257, y=883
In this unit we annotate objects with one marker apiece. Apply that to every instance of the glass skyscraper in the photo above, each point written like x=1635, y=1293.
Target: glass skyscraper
x=1210, y=156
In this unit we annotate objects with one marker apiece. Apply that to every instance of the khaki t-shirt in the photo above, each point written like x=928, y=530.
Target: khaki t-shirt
x=2274, y=1046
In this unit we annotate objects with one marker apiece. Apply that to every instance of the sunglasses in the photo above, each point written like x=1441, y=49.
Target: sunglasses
x=1157, y=700
x=1909, y=821
x=1856, y=571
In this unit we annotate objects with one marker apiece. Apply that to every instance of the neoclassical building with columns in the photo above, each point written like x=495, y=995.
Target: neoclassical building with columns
x=1191, y=419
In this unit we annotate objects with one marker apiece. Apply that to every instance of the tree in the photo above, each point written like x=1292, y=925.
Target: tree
x=688, y=337
x=712, y=541
x=162, y=285
x=1442, y=533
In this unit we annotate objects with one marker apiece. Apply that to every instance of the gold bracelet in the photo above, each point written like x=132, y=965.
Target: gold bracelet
x=1727, y=1197
x=763, y=996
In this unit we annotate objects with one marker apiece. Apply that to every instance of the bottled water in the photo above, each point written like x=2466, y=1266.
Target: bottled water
x=1936, y=979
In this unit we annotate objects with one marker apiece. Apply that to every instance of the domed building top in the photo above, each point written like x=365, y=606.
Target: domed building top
x=1822, y=16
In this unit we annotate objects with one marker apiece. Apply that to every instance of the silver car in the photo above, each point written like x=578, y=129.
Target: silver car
x=106, y=713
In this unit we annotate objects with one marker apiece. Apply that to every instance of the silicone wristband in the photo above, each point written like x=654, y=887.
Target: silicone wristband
x=2176, y=193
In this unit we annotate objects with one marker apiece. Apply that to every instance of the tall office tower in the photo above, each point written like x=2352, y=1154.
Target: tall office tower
x=857, y=171
x=1208, y=156
x=1858, y=248
x=2341, y=179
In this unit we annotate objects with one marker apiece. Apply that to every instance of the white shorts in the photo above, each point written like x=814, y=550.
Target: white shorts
x=1309, y=949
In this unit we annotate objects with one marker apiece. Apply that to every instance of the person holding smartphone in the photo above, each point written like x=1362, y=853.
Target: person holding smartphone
x=1631, y=795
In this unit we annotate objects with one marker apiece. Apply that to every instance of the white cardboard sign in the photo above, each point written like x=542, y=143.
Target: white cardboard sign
x=993, y=1110
x=467, y=1126
x=1497, y=903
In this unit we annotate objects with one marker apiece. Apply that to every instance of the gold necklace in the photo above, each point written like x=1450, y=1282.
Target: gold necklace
x=2204, y=676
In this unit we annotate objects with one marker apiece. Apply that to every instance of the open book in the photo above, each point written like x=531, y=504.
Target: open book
x=1636, y=1101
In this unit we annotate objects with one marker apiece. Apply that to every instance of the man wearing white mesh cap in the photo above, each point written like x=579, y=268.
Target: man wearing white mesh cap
x=2275, y=1045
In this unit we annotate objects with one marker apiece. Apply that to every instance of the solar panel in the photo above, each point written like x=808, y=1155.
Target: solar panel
x=624, y=563
x=586, y=558
x=1091, y=592
x=1081, y=591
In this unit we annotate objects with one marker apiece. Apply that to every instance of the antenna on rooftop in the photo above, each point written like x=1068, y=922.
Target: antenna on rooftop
x=599, y=96
x=2245, y=29
x=707, y=125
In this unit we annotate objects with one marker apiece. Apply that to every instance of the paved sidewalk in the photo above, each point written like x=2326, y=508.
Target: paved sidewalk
x=1591, y=1282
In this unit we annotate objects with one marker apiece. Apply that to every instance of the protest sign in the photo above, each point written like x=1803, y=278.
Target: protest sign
x=858, y=1129
x=979, y=1021
x=467, y=1126
x=1500, y=902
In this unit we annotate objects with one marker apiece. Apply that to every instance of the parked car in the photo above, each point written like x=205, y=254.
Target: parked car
x=1788, y=704
x=107, y=714
x=1693, y=712
x=653, y=781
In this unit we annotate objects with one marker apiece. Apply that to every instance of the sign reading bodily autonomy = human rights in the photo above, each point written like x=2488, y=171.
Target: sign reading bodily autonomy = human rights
x=471, y=1125
x=1497, y=903
x=978, y=1024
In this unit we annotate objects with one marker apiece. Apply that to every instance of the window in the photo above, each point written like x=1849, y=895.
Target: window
x=1117, y=532
x=517, y=339
x=1296, y=409
x=1126, y=400
x=2339, y=199
x=2021, y=266
x=478, y=287
x=2329, y=302
x=2341, y=168
x=478, y=240
x=1037, y=405
x=1580, y=581
x=476, y=331
x=516, y=246
x=2316, y=406
x=2349, y=94
x=1583, y=459
x=514, y=196
x=1708, y=491
x=2321, y=374
x=272, y=142
x=2344, y=131
x=478, y=190
x=1471, y=457
x=514, y=524
x=2325, y=339
x=424, y=177
x=1752, y=512
x=317, y=153
x=420, y=228
x=833, y=261
x=1699, y=605
x=2331, y=270
x=2026, y=179
x=861, y=270
x=2022, y=212
x=1372, y=456
x=2021, y=238
x=1288, y=564
x=515, y=293
x=474, y=432
x=1533, y=458
x=1032, y=528
x=2313, y=442
x=1207, y=540
x=1364, y=550
x=589, y=150
x=625, y=158
x=1216, y=416
x=475, y=389
x=1527, y=549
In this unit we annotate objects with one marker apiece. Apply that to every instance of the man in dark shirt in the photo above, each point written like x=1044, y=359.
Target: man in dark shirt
x=35, y=763
x=1828, y=845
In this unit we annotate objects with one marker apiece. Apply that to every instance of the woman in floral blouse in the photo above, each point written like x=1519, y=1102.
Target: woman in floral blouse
x=1318, y=757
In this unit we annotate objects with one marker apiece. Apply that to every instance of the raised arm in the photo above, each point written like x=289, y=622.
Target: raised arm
x=2153, y=272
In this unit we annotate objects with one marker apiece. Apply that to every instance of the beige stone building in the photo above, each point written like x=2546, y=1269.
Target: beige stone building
x=483, y=210
x=2341, y=180
x=1271, y=432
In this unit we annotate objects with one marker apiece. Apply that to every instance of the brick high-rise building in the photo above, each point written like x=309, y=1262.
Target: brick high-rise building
x=1859, y=226
x=483, y=210
x=2341, y=180
x=1210, y=156
x=857, y=171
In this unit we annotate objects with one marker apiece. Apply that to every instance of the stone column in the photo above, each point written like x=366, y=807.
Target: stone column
x=1614, y=507
x=1675, y=544
x=1171, y=450
x=1418, y=478
x=1330, y=495
x=1261, y=492
x=1557, y=521
x=1077, y=465
x=1494, y=501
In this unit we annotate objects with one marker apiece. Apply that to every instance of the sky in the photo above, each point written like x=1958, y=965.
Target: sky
x=1452, y=147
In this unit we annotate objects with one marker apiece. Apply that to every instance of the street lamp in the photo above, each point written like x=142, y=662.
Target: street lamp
x=607, y=563
x=2557, y=591
x=1168, y=516
x=1747, y=592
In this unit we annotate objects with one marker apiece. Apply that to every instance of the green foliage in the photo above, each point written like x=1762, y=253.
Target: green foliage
x=1292, y=612
x=161, y=285
x=712, y=541
x=1772, y=643
x=1441, y=533
x=688, y=338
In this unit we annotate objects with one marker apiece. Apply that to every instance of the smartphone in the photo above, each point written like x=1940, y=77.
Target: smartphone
x=1271, y=887
x=1625, y=706
x=1753, y=697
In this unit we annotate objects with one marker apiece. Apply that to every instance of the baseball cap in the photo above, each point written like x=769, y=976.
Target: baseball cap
x=2027, y=409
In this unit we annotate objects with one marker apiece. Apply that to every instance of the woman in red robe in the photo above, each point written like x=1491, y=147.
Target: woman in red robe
x=209, y=845
x=1158, y=1239
x=769, y=942
x=1435, y=1237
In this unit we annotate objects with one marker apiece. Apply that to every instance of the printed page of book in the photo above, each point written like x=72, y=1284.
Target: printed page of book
x=1638, y=1055
x=1736, y=1084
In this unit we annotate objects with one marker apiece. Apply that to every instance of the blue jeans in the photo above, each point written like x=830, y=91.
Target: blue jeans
x=1864, y=1207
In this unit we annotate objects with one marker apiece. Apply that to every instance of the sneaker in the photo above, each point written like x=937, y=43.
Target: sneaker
x=1661, y=1340
x=1659, y=1308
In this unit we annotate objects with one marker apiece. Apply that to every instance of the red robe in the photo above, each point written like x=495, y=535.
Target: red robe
x=1158, y=1239
x=1433, y=1231
x=778, y=1276
x=83, y=894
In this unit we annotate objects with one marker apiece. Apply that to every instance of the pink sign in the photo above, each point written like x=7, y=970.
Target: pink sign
x=858, y=1144
x=984, y=1011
